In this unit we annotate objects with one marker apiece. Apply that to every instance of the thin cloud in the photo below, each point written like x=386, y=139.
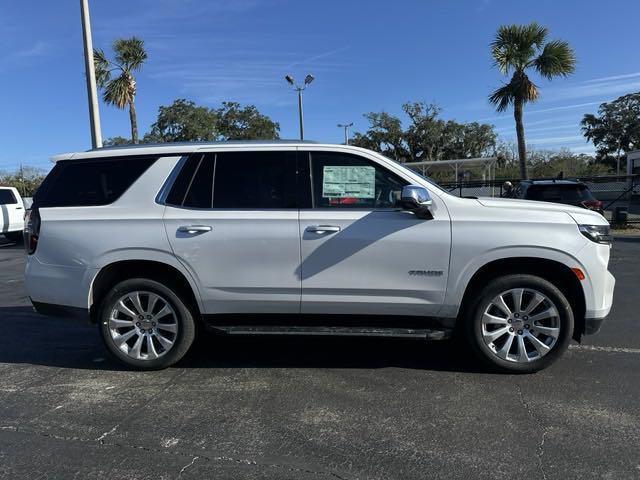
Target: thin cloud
x=24, y=57
x=38, y=49
x=244, y=75
x=554, y=140
x=310, y=60
x=512, y=130
x=613, y=78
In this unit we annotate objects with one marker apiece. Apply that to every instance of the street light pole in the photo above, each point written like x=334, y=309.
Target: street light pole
x=346, y=127
x=300, y=88
x=300, y=113
x=90, y=73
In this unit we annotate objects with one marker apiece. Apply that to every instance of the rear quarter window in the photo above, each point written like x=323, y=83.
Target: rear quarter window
x=7, y=197
x=79, y=183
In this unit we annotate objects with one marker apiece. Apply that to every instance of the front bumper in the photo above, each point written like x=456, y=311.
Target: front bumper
x=592, y=325
x=595, y=317
x=603, y=298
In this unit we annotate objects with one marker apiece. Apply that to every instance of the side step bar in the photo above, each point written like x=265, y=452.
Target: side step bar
x=420, y=333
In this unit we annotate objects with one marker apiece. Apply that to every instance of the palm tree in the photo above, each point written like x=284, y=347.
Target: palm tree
x=121, y=89
x=519, y=48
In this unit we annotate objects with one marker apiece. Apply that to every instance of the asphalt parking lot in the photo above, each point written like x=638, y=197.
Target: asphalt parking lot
x=299, y=408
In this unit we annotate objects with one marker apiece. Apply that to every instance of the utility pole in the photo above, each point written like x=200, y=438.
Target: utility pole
x=24, y=193
x=346, y=127
x=300, y=88
x=90, y=73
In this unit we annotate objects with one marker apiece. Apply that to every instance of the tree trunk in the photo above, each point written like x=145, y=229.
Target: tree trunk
x=522, y=148
x=134, y=122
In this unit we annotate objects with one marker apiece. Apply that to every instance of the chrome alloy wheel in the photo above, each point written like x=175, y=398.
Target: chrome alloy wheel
x=143, y=325
x=520, y=325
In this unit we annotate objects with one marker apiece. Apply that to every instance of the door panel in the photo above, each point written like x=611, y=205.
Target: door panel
x=247, y=262
x=360, y=253
x=11, y=211
x=379, y=262
x=240, y=236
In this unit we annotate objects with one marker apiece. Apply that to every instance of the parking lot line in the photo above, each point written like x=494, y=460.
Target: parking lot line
x=595, y=348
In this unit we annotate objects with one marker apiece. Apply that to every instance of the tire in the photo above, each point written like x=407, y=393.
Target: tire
x=13, y=236
x=163, y=326
x=550, y=322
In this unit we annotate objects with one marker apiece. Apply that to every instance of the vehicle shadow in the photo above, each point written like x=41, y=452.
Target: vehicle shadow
x=623, y=239
x=29, y=338
x=6, y=244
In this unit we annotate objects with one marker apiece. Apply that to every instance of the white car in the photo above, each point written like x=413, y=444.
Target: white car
x=153, y=242
x=11, y=214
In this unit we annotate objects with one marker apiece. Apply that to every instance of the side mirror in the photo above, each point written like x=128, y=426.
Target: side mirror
x=416, y=199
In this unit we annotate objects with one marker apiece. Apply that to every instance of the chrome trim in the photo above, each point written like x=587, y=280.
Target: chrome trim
x=161, y=197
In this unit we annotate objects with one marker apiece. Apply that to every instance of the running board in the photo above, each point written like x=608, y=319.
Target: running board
x=424, y=333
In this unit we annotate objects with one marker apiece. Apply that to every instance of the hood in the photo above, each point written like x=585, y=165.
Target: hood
x=579, y=215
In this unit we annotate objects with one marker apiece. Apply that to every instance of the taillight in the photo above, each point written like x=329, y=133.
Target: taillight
x=592, y=204
x=31, y=230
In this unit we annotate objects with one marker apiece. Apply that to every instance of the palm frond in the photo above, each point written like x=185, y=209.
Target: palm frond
x=557, y=59
x=535, y=34
x=101, y=65
x=130, y=53
x=525, y=89
x=502, y=97
x=515, y=45
x=117, y=91
x=519, y=88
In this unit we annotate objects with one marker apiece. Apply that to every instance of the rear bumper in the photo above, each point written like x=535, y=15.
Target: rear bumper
x=63, y=311
x=58, y=285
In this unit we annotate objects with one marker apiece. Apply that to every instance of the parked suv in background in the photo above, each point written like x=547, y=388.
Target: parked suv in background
x=561, y=191
x=11, y=214
x=152, y=242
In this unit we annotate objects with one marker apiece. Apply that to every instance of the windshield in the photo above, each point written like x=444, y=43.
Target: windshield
x=429, y=180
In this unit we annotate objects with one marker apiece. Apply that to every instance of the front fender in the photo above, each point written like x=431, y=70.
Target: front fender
x=459, y=280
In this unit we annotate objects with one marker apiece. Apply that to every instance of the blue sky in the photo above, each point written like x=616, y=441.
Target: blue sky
x=366, y=56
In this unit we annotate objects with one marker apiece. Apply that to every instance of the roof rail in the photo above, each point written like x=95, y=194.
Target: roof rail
x=202, y=143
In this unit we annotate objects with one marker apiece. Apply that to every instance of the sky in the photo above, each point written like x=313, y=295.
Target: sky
x=366, y=56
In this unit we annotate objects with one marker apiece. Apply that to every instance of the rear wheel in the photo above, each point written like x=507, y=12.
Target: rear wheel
x=519, y=323
x=145, y=324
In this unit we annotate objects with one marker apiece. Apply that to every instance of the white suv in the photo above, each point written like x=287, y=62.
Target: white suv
x=11, y=214
x=153, y=242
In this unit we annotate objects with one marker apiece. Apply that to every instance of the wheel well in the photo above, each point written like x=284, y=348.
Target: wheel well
x=160, y=272
x=555, y=272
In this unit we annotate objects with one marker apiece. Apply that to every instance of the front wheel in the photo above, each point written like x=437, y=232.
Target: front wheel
x=519, y=323
x=145, y=324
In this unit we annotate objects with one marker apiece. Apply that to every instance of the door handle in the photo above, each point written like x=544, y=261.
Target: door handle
x=194, y=229
x=320, y=229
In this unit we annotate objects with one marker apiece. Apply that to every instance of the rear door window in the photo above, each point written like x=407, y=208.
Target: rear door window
x=78, y=183
x=7, y=197
x=255, y=180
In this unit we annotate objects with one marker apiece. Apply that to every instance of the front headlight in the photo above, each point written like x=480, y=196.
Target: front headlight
x=597, y=233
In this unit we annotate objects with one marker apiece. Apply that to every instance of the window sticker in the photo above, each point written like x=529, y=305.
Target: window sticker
x=344, y=182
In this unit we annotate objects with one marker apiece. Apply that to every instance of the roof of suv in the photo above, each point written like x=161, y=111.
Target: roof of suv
x=552, y=182
x=173, y=148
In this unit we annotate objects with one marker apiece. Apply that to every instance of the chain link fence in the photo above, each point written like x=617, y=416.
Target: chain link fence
x=615, y=192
